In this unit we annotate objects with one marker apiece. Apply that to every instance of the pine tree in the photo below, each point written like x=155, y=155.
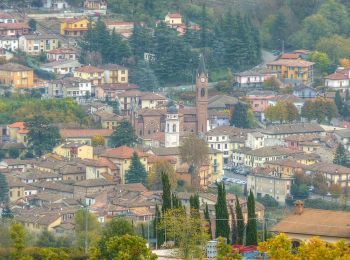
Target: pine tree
x=338, y=101
x=340, y=157
x=240, y=222
x=207, y=218
x=221, y=212
x=203, y=25
x=4, y=189
x=167, y=197
x=157, y=232
x=137, y=172
x=240, y=117
x=251, y=238
x=124, y=134
x=233, y=226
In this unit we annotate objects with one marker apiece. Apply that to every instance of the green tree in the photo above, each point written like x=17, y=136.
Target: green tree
x=234, y=233
x=194, y=151
x=18, y=239
x=2, y=154
x=32, y=25
x=98, y=140
x=124, y=134
x=42, y=136
x=224, y=251
x=221, y=213
x=158, y=231
x=126, y=247
x=278, y=30
x=166, y=195
x=190, y=234
x=340, y=157
x=240, y=222
x=251, y=238
x=4, y=189
x=14, y=153
x=86, y=226
x=319, y=109
x=143, y=75
x=241, y=116
x=155, y=174
x=272, y=84
x=47, y=239
x=137, y=172
x=282, y=112
x=207, y=218
x=322, y=61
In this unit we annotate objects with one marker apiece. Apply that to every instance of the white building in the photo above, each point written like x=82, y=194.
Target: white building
x=61, y=67
x=211, y=250
x=55, y=4
x=75, y=88
x=172, y=130
x=35, y=44
x=62, y=54
x=253, y=78
x=9, y=43
x=340, y=80
x=255, y=140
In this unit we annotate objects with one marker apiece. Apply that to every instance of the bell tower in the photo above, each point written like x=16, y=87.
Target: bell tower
x=202, y=96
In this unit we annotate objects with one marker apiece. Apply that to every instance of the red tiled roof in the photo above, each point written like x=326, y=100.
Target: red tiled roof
x=23, y=131
x=337, y=76
x=13, y=26
x=62, y=51
x=292, y=63
x=174, y=15
x=119, y=86
x=77, y=133
x=290, y=56
x=89, y=69
x=122, y=152
x=19, y=125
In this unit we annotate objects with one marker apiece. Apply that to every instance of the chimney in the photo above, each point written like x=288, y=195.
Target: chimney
x=298, y=207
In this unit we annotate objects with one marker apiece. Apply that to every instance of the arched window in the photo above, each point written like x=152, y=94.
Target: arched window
x=174, y=128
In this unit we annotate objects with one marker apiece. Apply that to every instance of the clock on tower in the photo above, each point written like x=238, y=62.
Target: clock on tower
x=202, y=96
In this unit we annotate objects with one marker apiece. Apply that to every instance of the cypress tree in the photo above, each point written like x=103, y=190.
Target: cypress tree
x=4, y=189
x=240, y=222
x=340, y=157
x=157, y=232
x=222, y=225
x=176, y=203
x=166, y=193
x=233, y=226
x=207, y=218
x=137, y=172
x=252, y=238
x=194, y=205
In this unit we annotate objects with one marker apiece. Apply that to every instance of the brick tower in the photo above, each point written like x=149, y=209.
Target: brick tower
x=202, y=96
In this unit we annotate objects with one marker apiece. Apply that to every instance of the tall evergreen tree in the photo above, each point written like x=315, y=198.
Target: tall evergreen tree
x=338, y=101
x=207, y=218
x=137, y=172
x=251, y=238
x=167, y=197
x=240, y=116
x=240, y=222
x=222, y=218
x=4, y=189
x=158, y=232
x=233, y=226
x=124, y=134
x=194, y=205
x=176, y=203
x=203, y=26
x=340, y=157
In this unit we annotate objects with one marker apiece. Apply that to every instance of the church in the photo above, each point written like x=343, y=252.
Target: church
x=169, y=124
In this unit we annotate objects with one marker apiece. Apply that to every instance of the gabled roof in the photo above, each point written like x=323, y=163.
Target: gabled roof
x=118, y=86
x=288, y=98
x=13, y=26
x=14, y=67
x=89, y=69
x=83, y=133
x=122, y=152
x=292, y=63
x=174, y=15
x=220, y=101
x=94, y=183
x=18, y=124
x=290, y=56
x=337, y=76
x=293, y=129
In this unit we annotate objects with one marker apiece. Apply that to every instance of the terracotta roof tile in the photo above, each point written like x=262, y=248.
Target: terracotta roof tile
x=122, y=152
x=292, y=63
x=19, y=125
x=290, y=56
x=77, y=133
x=89, y=69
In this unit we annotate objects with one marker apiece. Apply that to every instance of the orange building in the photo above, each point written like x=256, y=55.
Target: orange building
x=16, y=75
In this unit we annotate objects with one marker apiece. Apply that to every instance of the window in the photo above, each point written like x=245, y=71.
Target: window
x=174, y=128
x=219, y=146
x=18, y=193
x=225, y=146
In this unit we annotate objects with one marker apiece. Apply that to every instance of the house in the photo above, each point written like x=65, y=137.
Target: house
x=73, y=171
x=18, y=133
x=111, y=91
x=253, y=78
x=267, y=181
x=54, y=187
x=55, y=4
x=339, y=80
x=71, y=87
x=93, y=74
x=296, y=101
x=259, y=100
x=107, y=120
x=115, y=74
x=59, y=54
x=290, y=56
x=125, y=29
x=74, y=150
x=38, y=221
x=278, y=132
x=151, y=100
x=286, y=167
x=86, y=188
x=293, y=70
x=16, y=164
x=129, y=100
x=36, y=175
x=343, y=136
x=61, y=67
x=255, y=140
x=95, y=5
x=258, y=157
x=101, y=168
x=16, y=75
x=173, y=19
x=333, y=173
x=329, y=225
x=7, y=18
x=121, y=157
x=36, y=44
x=84, y=135
x=14, y=29
x=221, y=102
x=74, y=27
x=303, y=91
x=16, y=189
x=9, y=43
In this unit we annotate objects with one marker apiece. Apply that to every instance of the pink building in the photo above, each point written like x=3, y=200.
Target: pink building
x=259, y=100
x=111, y=91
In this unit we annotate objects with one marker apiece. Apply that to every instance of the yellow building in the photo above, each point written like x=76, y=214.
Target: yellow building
x=91, y=73
x=37, y=44
x=16, y=75
x=173, y=19
x=296, y=69
x=17, y=132
x=74, y=27
x=121, y=157
x=16, y=189
x=115, y=74
x=216, y=163
x=74, y=150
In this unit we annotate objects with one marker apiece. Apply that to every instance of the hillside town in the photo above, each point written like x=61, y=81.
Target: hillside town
x=172, y=131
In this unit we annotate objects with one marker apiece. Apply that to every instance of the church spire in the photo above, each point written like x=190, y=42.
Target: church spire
x=201, y=66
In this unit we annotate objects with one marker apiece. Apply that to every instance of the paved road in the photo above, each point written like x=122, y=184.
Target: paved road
x=230, y=174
